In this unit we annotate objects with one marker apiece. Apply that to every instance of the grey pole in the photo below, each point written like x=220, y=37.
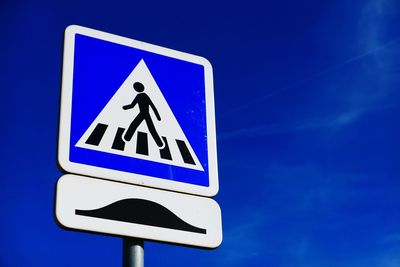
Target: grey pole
x=133, y=250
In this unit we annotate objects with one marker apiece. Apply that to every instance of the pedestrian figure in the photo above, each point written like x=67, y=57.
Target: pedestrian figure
x=144, y=102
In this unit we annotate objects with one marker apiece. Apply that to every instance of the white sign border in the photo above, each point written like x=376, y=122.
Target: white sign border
x=121, y=176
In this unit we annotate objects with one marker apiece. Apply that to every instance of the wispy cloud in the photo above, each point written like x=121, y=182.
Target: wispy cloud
x=237, y=249
x=332, y=122
x=388, y=259
x=373, y=21
x=320, y=194
x=391, y=238
x=384, y=50
x=375, y=30
x=370, y=50
x=360, y=97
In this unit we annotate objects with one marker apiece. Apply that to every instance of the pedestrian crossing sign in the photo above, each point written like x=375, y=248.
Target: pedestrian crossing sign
x=137, y=113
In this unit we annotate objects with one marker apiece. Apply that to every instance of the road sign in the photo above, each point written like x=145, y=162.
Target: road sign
x=137, y=113
x=129, y=210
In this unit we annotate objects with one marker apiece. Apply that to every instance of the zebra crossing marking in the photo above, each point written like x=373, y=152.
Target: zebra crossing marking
x=141, y=143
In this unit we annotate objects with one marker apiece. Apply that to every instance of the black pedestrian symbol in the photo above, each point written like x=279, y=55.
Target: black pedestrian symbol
x=144, y=102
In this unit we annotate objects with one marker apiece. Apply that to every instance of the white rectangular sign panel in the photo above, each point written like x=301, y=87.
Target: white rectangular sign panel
x=127, y=210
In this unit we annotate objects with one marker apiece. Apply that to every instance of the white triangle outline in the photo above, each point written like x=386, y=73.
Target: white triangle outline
x=114, y=117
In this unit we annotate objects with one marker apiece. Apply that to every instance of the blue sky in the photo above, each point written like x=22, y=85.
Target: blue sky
x=307, y=107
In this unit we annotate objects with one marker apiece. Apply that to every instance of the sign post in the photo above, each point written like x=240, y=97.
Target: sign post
x=133, y=250
x=137, y=140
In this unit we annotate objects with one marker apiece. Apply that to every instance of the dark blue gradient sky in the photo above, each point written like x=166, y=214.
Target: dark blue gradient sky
x=307, y=110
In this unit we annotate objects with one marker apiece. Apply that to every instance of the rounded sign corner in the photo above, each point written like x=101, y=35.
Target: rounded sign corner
x=213, y=190
x=217, y=243
x=206, y=63
x=72, y=28
x=63, y=162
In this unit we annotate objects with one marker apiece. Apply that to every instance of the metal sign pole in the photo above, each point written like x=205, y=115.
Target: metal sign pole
x=133, y=253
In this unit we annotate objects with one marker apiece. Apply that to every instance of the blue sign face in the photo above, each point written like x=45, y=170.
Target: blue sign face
x=137, y=113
